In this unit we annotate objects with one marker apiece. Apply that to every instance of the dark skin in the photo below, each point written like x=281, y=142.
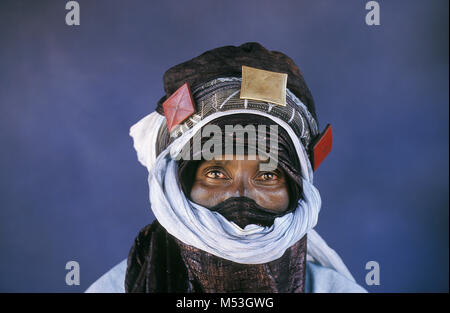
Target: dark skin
x=219, y=179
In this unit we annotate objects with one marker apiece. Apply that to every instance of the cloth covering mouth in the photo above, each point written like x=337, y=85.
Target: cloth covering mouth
x=244, y=211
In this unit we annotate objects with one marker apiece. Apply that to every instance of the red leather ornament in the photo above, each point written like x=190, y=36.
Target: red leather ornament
x=179, y=106
x=322, y=147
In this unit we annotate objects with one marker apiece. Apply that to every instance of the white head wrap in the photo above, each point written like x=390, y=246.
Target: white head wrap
x=209, y=231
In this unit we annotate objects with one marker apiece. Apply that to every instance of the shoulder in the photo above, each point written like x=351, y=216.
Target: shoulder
x=112, y=281
x=321, y=279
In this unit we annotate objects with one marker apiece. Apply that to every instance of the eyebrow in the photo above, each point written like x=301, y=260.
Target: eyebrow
x=226, y=162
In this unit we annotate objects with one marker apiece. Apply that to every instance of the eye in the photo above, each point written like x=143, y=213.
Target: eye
x=268, y=176
x=216, y=174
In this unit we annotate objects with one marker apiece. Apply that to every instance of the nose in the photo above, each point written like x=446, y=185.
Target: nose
x=241, y=187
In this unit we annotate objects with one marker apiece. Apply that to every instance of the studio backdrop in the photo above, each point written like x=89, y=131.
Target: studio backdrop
x=71, y=188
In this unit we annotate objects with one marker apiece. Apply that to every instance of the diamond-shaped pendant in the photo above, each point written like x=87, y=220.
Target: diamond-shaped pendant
x=178, y=107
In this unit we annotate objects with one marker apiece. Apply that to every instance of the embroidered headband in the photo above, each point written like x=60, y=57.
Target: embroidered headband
x=259, y=90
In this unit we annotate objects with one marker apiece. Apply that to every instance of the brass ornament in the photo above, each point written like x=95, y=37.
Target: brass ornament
x=263, y=85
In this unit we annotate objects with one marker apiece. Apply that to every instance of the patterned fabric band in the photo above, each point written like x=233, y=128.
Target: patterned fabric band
x=223, y=94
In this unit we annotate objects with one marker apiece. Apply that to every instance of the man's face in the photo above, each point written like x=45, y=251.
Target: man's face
x=218, y=180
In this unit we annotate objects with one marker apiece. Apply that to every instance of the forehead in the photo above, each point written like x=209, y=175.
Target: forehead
x=233, y=159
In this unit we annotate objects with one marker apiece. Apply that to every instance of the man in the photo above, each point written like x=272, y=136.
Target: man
x=239, y=219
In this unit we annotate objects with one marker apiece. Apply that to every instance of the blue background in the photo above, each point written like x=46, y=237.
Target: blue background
x=70, y=184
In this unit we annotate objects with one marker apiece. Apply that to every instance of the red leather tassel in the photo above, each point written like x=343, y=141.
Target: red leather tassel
x=322, y=147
